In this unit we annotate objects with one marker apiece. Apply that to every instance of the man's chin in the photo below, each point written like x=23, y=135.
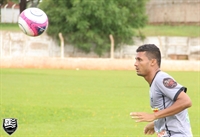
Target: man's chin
x=139, y=74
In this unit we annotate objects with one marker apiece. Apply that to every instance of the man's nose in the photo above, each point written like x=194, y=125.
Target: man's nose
x=135, y=64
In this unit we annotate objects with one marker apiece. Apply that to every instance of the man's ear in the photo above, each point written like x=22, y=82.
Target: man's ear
x=153, y=62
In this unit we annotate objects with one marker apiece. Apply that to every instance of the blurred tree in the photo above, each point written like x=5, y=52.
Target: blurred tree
x=87, y=24
x=34, y=3
x=2, y=2
x=23, y=4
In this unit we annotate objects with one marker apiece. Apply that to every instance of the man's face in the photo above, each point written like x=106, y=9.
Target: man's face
x=142, y=64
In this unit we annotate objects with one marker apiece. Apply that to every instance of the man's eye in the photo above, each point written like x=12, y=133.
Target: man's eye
x=138, y=59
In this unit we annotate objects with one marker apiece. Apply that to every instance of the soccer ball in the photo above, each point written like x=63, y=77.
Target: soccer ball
x=33, y=21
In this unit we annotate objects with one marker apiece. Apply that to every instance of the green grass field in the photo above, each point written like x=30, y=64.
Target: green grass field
x=149, y=30
x=167, y=30
x=84, y=103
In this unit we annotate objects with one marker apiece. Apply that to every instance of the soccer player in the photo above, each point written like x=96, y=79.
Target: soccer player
x=168, y=99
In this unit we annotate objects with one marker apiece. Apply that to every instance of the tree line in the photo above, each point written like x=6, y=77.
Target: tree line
x=87, y=24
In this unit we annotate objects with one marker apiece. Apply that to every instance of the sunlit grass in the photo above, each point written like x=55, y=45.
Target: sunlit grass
x=9, y=27
x=149, y=30
x=166, y=30
x=81, y=103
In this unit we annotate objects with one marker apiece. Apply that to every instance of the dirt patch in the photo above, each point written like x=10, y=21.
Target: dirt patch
x=93, y=63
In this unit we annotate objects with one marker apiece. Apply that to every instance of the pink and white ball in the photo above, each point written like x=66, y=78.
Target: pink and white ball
x=33, y=21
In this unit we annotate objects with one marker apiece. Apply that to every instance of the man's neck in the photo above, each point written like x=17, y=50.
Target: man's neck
x=149, y=78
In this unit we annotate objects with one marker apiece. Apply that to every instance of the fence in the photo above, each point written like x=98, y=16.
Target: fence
x=17, y=44
x=9, y=15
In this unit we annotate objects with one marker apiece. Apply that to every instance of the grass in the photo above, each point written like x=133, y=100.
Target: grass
x=70, y=103
x=149, y=30
x=167, y=30
x=9, y=27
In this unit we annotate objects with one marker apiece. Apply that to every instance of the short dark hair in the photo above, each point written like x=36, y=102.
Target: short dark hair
x=152, y=52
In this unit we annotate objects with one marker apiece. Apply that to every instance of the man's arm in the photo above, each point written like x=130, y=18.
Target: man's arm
x=182, y=102
x=149, y=129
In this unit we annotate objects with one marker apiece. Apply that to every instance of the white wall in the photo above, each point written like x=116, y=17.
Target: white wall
x=17, y=44
x=9, y=15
